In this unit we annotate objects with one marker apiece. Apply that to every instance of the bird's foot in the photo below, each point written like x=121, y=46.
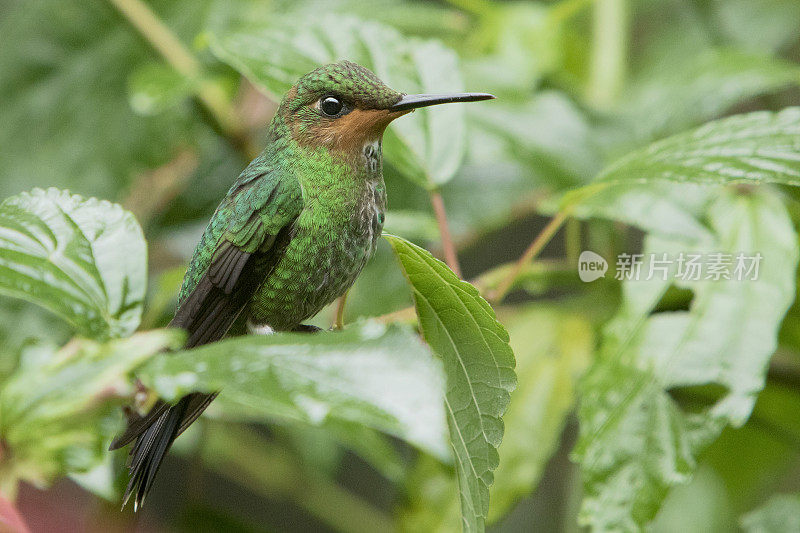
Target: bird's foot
x=266, y=329
x=307, y=328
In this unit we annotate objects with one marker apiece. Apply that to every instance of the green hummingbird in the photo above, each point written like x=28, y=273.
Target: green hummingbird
x=291, y=235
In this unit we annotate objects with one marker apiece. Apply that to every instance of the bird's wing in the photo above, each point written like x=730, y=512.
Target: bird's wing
x=241, y=245
x=243, y=241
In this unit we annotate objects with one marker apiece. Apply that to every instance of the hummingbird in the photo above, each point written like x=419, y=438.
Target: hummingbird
x=291, y=235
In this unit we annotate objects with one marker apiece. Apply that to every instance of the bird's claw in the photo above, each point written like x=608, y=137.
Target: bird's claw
x=307, y=328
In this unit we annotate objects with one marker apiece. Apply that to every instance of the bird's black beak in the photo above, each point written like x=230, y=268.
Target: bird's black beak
x=414, y=101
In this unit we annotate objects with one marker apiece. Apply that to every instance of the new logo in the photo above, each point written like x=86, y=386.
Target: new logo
x=591, y=266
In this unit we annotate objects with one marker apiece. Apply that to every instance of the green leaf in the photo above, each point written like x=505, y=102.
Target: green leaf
x=55, y=413
x=781, y=514
x=415, y=18
x=760, y=147
x=548, y=133
x=383, y=378
x=84, y=259
x=668, y=99
x=636, y=440
x=552, y=348
x=461, y=327
x=763, y=25
x=426, y=147
x=21, y=323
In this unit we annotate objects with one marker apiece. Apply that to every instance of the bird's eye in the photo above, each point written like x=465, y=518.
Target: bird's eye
x=331, y=106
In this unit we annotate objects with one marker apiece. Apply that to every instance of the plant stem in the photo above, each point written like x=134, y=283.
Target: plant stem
x=406, y=314
x=609, y=51
x=573, y=240
x=152, y=191
x=209, y=94
x=340, y=308
x=530, y=254
x=448, y=247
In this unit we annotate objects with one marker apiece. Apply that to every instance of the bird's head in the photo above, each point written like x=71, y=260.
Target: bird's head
x=344, y=106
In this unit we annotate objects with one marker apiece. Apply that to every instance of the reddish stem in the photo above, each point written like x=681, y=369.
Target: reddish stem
x=448, y=247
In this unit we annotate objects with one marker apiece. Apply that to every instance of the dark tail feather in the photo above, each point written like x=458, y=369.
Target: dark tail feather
x=153, y=444
x=206, y=314
x=149, y=451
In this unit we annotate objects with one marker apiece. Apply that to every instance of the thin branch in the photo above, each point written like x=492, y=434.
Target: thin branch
x=530, y=254
x=448, y=247
x=573, y=240
x=209, y=94
x=488, y=282
x=609, y=51
x=152, y=191
x=406, y=314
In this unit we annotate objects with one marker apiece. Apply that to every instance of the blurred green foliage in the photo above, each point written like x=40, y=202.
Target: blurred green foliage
x=684, y=395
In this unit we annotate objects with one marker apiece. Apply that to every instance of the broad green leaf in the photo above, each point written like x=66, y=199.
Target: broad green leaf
x=83, y=259
x=664, y=208
x=552, y=348
x=384, y=378
x=762, y=25
x=760, y=147
x=426, y=147
x=636, y=441
x=461, y=327
x=56, y=416
x=21, y=323
x=548, y=134
x=781, y=514
x=413, y=18
x=682, y=94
